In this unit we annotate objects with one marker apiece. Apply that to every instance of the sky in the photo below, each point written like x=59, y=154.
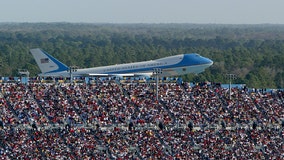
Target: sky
x=144, y=11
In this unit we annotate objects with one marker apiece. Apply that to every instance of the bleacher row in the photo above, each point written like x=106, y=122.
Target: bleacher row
x=121, y=120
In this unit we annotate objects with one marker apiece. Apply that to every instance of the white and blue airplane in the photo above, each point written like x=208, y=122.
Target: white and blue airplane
x=169, y=66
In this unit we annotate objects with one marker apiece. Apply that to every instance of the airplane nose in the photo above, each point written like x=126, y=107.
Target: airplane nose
x=210, y=61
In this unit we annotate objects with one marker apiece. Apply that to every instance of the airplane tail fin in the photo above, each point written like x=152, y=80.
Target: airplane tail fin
x=47, y=63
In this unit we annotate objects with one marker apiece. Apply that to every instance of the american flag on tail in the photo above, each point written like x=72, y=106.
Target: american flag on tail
x=44, y=60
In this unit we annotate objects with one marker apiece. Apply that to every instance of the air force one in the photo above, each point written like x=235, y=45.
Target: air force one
x=169, y=66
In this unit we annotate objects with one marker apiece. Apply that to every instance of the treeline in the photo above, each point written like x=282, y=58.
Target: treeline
x=254, y=53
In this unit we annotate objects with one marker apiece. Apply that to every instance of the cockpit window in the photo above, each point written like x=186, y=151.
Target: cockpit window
x=197, y=55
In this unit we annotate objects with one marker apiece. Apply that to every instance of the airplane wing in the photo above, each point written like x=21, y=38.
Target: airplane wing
x=149, y=74
x=97, y=75
x=121, y=75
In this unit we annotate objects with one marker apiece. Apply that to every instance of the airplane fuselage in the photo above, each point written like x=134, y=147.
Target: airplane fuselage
x=170, y=66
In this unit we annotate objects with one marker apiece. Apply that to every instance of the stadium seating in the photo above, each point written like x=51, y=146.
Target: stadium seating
x=123, y=120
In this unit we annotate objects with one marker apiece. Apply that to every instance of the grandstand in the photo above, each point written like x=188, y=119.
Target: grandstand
x=112, y=119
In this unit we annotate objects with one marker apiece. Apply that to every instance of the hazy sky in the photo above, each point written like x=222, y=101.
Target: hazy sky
x=144, y=11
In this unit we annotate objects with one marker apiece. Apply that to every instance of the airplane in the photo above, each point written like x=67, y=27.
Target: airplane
x=168, y=66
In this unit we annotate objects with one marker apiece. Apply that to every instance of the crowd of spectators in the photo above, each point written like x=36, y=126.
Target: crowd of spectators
x=125, y=120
